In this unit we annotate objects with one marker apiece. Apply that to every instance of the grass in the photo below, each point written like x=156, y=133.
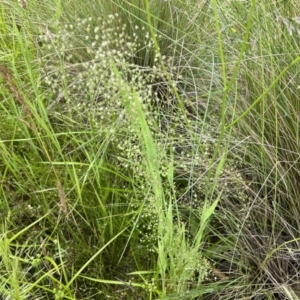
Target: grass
x=149, y=150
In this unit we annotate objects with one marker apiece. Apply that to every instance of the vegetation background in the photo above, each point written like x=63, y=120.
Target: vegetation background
x=149, y=149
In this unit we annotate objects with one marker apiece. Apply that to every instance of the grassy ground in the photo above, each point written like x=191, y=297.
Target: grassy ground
x=149, y=149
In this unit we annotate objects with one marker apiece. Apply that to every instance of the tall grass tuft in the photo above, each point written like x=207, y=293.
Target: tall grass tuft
x=149, y=150
x=262, y=247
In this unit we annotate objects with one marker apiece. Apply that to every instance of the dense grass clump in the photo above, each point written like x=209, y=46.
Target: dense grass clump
x=149, y=150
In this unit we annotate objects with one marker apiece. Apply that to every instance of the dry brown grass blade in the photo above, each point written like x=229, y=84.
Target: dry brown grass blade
x=8, y=79
x=63, y=203
x=218, y=273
